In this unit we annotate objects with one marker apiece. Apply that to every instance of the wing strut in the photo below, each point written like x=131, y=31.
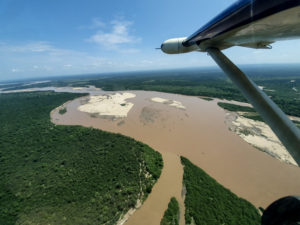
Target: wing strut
x=282, y=126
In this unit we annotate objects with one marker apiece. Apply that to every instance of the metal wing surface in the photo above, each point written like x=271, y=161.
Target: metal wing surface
x=250, y=23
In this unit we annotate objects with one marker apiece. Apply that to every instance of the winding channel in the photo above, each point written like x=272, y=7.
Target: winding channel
x=198, y=133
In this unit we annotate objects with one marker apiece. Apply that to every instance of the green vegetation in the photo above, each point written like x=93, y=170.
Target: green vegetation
x=52, y=174
x=211, y=83
x=282, y=94
x=207, y=98
x=235, y=108
x=215, y=87
x=209, y=203
x=62, y=111
x=246, y=132
x=297, y=123
x=279, y=82
x=171, y=215
x=254, y=116
x=248, y=112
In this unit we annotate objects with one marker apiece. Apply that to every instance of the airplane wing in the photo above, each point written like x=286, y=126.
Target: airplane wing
x=250, y=23
x=246, y=23
x=254, y=24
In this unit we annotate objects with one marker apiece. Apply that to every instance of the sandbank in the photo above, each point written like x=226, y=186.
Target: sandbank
x=258, y=134
x=169, y=102
x=114, y=105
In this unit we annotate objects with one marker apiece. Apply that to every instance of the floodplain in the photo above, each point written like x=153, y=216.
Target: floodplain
x=197, y=132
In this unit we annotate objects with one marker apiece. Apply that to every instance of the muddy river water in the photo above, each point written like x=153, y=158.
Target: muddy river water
x=198, y=133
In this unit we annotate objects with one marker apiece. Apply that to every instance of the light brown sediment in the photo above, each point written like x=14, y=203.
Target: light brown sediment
x=199, y=134
x=258, y=134
x=168, y=186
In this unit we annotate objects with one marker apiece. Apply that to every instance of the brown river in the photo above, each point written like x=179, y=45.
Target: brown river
x=198, y=133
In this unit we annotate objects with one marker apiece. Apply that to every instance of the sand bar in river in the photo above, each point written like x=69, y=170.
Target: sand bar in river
x=199, y=133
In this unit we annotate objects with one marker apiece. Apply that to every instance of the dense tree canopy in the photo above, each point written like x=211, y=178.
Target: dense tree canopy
x=66, y=174
x=209, y=203
x=171, y=215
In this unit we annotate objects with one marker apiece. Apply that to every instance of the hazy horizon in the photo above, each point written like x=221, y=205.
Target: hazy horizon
x=133, y=72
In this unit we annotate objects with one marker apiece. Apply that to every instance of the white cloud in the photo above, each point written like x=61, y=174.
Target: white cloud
x=30, y=47
x=96, y=23
x=42, y=58
x=15, y=70
x=33, y=47
x=147, y=62
x=47, y=68
x=117, y=37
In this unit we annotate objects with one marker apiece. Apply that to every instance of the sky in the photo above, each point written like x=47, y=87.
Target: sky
x=42, y=38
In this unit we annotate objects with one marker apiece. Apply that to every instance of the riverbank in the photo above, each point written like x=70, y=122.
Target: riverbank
x=259, y=135
x=198, y=133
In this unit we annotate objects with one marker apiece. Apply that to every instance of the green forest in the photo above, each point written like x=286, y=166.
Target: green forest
x=211, y=83
x=62, y=111
x=52, y=174
x=278, y=81
x=209, y=203
x=297, y=123
x=235, y=108
x=171, y=215
x=248, y=112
